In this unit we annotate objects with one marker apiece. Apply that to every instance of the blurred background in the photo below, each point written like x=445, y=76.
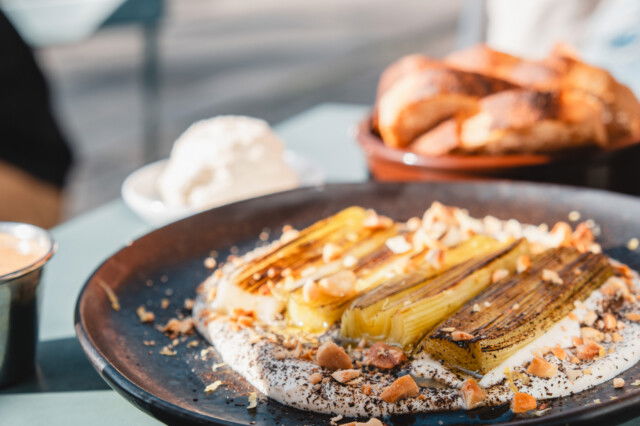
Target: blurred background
x=126, y=77
x=156, y=67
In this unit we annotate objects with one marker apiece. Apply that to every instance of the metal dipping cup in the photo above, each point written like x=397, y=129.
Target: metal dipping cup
x=19, y=302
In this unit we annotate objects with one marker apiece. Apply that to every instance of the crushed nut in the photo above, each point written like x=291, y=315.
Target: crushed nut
x=632, y=316
x=167, y=351
x=590, y=318
x=472, y=394
x=403, y=387
x=164, y=303
x=333, y=357
x=541, y=368
x=499, y=274
x=252, y=400
x=149, y=342
x=574, y=216
x=217, y=366
x=476, y=308
x=618, y=382
x=384, y=356
x=213, y=386
x=330, y=252
x=315, y=378
x=344, y=376
x=610, y=322
x=523, y=402
x=210, y=263
x=398, y=244
x=457, y=336
x=588, y=351
x=375, y=221
x=591, y=334
x=111, y=295
x=523, y=263
x=633, y=244
x=175, y=327
x=551, y=276
x=559, y=353
x=144, y=315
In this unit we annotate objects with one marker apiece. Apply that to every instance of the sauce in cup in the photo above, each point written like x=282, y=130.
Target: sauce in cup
x=16, y=254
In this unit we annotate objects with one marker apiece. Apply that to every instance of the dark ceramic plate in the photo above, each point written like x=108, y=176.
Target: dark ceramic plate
x=168, y=263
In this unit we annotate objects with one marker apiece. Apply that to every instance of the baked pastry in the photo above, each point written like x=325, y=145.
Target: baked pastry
x=418, y=101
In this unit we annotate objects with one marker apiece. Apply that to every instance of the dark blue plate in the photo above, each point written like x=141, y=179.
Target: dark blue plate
x=168, y=263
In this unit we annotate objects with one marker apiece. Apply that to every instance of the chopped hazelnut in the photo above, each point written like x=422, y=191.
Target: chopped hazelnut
x=375, y=221
x=144, y=315
x=398, y=244
x=499, y=274
x=590, y=318
x=344, y=376
x=618, y=382
x=333, y=357
x=213, y=386
x=591, y=334
x=541, y=368
x=460, y=335
x=384, y=356
x=588, y=351
x=523, y=263
x=610, y=321
x=472, y=394
x=330, y=252
x=559, y=353
x=403, y=387
x=551, y=276
x=315, y=378
x=633, y=316
x=340, y=284
x=523, y=402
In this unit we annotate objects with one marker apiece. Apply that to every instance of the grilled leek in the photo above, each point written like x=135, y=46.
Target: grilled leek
x=373, y=265
x=366, y=316
x=517, y=310
x=292, y=261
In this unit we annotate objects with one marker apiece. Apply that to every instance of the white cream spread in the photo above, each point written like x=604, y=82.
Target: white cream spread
x=225, y=159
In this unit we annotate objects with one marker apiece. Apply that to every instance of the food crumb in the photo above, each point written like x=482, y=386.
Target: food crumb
x=336, y=419
x=144, y=315
x=574, y=216
x=633, y=244
x=597, y=401
x=111, y=295
x=215, y=367
x=188, y=304
x=167, y=351
x=618, y=382
x=193, y=344
x=210, y=263
x=213, y=386
x=253, y=401
x=149, y=342
x=551, y=276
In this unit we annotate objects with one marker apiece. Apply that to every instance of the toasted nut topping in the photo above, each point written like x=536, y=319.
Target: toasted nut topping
x=590, y=318
x=333, y=357
x=499, y=274
x=344, y=376
x=588, y=351
x=448, y=329
x=573, y=374
x=523, y=263
x=591, y=334
x=633, y=316
x=616, y=337
x=403, y=387
x=617, y=288
x=398, y=244
x=384, y=356
x=472, y=394
x=144, y=315
x=541, y=368
x=213, y=386
x=460, y=335
x=559, y=353
x=340, y=284
x=375, y=221
x=610, y=322
x=252, y=400
x=476, y=308
x=563, y=232
x=523, y=402
x=330, y=252
x=175, y=327
x=618, y=382
x=315, y=378
x=349, y=261
x=573, y=316
x=551, y=276
x=311, y=291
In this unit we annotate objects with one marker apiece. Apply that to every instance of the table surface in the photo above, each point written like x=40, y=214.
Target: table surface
x=66, y=390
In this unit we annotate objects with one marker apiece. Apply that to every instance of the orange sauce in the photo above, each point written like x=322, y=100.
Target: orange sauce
x=16, y=254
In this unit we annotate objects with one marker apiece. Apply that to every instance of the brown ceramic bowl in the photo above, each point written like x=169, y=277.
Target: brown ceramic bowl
x=614, y=169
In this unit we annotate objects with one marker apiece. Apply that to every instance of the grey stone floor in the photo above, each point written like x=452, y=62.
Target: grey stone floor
x=266, y=58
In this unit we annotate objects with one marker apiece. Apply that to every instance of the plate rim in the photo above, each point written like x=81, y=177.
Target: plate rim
x=147, y=401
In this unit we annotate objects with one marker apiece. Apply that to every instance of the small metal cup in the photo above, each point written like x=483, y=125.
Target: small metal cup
x=19, y=302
